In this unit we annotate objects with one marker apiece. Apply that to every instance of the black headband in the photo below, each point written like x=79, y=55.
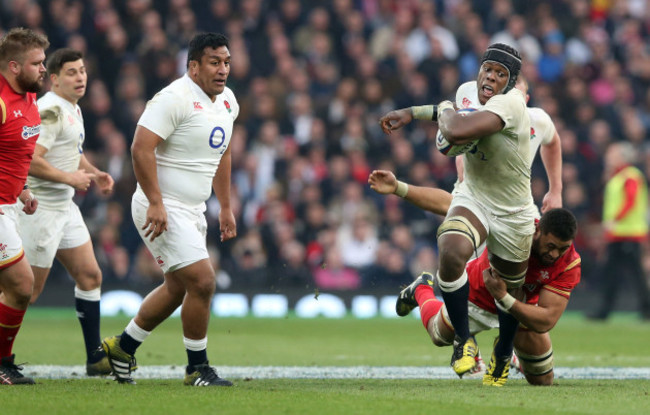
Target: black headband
x=507, y=57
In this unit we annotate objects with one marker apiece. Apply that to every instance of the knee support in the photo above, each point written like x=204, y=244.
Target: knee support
x=436, y=331
x=460, y=225
x=536, y=365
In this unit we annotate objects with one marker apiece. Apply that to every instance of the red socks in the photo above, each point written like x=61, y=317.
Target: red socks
x=429, y=304
x=10, y=321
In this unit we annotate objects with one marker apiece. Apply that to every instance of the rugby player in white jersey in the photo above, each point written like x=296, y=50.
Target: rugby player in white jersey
x=493, y=203
x=180, y=154
x=57, y=229
x=543, y=137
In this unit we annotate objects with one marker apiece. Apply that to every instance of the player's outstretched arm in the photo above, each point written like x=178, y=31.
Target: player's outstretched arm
x=221, y=187
x=552, y=159
x=427, y=198
x=539, y=318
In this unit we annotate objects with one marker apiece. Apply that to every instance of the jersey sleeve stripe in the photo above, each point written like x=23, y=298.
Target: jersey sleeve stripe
x=4, y=111
x=573, y=264
x=563, y=293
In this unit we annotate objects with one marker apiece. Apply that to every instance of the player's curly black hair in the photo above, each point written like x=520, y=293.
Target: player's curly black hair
x=204, y=40
x=560, y=222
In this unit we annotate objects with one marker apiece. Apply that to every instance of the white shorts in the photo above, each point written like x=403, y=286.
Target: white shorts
x=48, y=230
x=11, y=245
x=479, y=319
x=509, y=237
x=184, y=241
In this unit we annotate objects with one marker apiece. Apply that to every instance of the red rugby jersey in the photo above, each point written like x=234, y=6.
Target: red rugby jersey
x=20, y=125
x=560, y=278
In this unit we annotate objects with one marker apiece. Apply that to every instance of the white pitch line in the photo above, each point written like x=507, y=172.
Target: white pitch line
x=333, y=372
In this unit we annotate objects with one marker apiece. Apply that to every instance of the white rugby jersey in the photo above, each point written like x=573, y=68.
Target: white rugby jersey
x=62, y=134
x=542, y=129
x=497, y=170
x=196, y=134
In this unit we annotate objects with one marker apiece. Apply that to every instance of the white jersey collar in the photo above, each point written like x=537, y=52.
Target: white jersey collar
x=199, y=91
x=62, y=100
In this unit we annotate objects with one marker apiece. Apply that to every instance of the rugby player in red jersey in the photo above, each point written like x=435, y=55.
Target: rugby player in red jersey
x=553, y=271
x=22, y=54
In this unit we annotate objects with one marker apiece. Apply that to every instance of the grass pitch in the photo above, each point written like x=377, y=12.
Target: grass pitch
x=53, y=337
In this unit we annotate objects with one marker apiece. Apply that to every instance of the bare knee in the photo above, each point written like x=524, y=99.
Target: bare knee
x=452, y=264
x=203, y=287
x=19, y=294
x=88, y=279
x=22, y=298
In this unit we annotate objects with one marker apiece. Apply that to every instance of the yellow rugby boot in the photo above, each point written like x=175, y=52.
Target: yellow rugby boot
x=463, y=359
x=121, y=362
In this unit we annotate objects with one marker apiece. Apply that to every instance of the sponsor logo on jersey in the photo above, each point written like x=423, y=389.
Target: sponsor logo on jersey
x=160, y=261
x=29, y=132
x=544, y=275
x=18, y=114
x=197, y=105
x=466, y=102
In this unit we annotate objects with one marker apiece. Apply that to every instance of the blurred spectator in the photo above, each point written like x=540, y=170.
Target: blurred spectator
x=293, y=271
x=250, y=261
x=334, y=275
x=358, y=242
x=625, y=224
x=516, y=35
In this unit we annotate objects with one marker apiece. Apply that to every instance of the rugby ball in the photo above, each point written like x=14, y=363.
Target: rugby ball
x=451, y=150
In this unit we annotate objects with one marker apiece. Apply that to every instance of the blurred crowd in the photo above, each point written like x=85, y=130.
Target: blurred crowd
x=312, y=78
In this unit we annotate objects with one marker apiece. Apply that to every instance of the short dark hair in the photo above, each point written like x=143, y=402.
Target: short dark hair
x=18, y=41
x=560, y=222
x=204, y=40
x=60, y=58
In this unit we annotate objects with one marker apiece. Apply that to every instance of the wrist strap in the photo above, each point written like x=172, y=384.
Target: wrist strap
x=402, y=189
x=443, y=106
x=424, y=112
x=506, y=302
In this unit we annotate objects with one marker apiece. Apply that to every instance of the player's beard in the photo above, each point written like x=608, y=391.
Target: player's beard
x=542, y=258
x=28, y=85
